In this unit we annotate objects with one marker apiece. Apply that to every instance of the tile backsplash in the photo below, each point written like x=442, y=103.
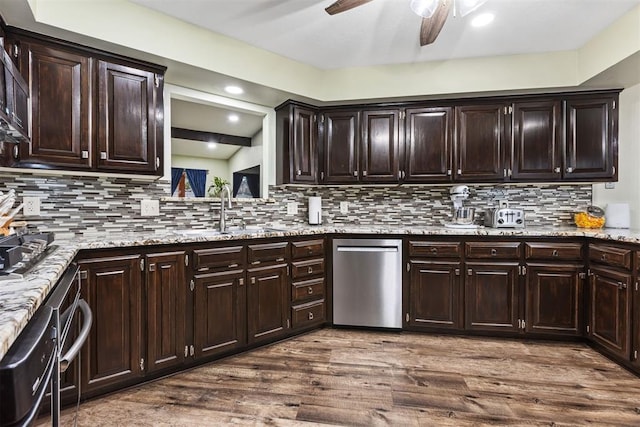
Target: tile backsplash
x=73, y=204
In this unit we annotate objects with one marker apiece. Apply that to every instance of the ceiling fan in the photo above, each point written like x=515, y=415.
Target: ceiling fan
x=434, y=13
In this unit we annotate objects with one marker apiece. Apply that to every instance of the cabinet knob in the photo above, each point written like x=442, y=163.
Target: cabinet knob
x=557, y=170
x=603, y=257
x=494, y=252
x=85, y=154
x=241, y=282
x=309, y=270
x=310, y=290
x=103, y=155
x=459, y=171
x=569, y=169
x=434, y=250
x=310, y=316
x=364, y=173
x=449, y=172
x=355, y=173
x=555, y=253
x=298, y=172
x=253, y=280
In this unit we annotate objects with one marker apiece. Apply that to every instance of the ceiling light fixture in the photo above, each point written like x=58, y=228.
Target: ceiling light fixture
x=482, y=20
x=234, y=90
x=426, y=8
x=233, y=118
x=212, y=145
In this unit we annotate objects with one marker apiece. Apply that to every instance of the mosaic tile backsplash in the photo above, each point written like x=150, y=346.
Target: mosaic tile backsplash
x=97, y=204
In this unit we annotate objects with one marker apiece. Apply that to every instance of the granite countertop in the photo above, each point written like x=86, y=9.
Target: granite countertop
x=20, y=298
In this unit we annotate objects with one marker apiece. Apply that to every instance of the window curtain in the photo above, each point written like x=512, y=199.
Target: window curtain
x=176, y=175
x=198, y=180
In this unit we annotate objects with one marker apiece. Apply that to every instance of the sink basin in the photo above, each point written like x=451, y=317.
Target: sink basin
x=208, y=232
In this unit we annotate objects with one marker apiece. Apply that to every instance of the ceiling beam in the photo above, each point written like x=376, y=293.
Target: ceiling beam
x=219, y=138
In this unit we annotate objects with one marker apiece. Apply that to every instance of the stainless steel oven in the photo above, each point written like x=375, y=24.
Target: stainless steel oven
x=42, y=351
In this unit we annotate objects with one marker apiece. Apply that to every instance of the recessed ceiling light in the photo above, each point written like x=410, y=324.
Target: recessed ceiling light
x=233, y=118
x=212, y=145
x=234, y=90
x=482, y=19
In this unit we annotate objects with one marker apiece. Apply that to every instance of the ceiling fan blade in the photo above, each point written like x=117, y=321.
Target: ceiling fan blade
x=431, y=26
x=344, y=5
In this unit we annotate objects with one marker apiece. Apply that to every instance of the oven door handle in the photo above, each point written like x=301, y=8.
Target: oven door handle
x=87, y=320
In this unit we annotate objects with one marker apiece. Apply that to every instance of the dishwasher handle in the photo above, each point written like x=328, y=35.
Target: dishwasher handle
x=71, y=354
x=368, y=249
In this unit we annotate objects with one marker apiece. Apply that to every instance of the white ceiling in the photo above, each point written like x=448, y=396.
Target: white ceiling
x=206, y=118
x=387, y=31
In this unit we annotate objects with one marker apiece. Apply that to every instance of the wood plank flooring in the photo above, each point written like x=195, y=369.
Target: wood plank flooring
x=344, y=377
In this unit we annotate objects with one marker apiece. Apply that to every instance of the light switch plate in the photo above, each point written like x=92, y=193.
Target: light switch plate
x=31, y=206
x=149, y=207
x=292, y=208
x=344, y=207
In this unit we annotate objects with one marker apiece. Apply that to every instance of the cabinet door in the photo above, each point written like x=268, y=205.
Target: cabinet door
x=428, y=145
x=304, y=155
x=380, y=147
x=636, y=321
x=112, y=354
x=492, y=297
x=219, y=315
x=609, y=310
x=341, y=139
x=166, y=306
x=480, y=143
x=536, y=140
x=267, y=303
x=126, y=119
x=60, y=108
x=554, y=299
x=591, y=143
x=434, y=295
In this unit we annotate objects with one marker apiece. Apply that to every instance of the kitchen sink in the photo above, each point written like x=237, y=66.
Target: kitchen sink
x=209, y=232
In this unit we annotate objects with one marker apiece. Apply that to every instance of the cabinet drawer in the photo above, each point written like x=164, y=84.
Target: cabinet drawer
x=434, y=249
x=492, y=249
x=266, y=252
x=309, y=289
x=302, y=269
x=307, y=314
x=610, y=255
x=549, y=250
x=307, y=248
x=223, y=257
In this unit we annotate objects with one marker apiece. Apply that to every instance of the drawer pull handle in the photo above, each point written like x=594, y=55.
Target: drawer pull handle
x=310, y=270
x=255, y=262
x=310, y=316
x=279, y=259
x=555, y=253
x=494, y=252
x=233, y=265
x=310, y=290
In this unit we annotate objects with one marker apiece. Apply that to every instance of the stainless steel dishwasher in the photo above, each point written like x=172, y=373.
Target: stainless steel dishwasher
x=367, y=282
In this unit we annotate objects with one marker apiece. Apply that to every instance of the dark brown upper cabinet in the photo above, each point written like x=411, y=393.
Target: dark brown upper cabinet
x=591, y=149
x=480, y=147
x=428, y=147
x=341, y=140
x=536, y=134
x=60, y=107
x=126, y=119
x=380, y=146
x=519, y=138
x=90, y=110
x=297, y=147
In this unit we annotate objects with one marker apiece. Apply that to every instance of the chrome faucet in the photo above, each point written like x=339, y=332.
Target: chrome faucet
x=225, y=189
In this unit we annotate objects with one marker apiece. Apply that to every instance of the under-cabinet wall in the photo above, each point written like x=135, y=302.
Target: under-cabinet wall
x=87, y=204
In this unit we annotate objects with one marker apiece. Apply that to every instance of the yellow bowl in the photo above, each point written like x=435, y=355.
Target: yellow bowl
x=584, y=220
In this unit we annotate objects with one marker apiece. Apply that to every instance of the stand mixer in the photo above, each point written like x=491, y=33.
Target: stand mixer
x=462, y=217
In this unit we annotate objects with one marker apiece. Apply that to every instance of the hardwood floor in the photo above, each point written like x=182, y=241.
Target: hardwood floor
x=349, y=377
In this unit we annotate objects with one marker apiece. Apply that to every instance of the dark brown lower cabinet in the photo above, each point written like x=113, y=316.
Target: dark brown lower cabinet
x=554, y=299
x=609, y=318
x=166, y=310
x=492, y=296
x=435, y=295
x=635, y=353
x=267, y=303
x=112, y=355
x=219, y=311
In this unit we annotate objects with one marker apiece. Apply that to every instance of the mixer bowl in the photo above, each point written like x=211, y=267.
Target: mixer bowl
x=463, y=215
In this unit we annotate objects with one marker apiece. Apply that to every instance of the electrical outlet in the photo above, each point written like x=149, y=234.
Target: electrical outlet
x=609, y=185
x=31, y=206
x=344, y=207
x=503, y=203
x=292, y=208
x=149, y=207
